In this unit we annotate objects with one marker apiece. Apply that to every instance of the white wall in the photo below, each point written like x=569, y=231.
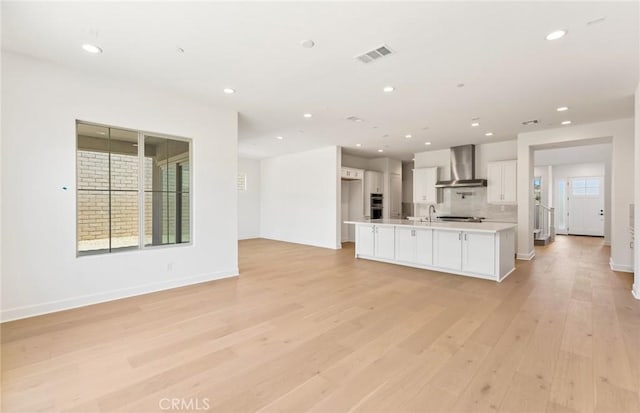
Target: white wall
x=300, y=198
x=249, y=200
x=621, y=135
x=41, y=272
x=636, y=280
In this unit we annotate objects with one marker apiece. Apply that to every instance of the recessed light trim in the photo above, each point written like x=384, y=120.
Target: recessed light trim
x=427, y=143
x=388, y=89
x=474, y=124
x=380, y=150
x=229, y=91
x=279, y=138
x=488, y=134
x=566, y=122
x=308, y=115
x=358, y=145
x=408, y=136
x=562, y=108
x=91, y=48
x=557, y=34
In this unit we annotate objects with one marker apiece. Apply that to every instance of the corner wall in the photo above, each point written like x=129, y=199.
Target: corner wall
x=40, y=271
x=300, y=198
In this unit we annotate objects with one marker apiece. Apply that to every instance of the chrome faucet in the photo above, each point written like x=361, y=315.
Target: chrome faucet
x=431, y=208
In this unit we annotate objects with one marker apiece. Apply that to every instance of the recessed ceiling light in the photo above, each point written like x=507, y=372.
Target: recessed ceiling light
x=557, y=34
x=408, y=136
x=389, y=89
x=562, y=108
x=358, y=145
x=307, y=115
x=475, y=124
x=488, y=134
x=279, y=138
x=566, y=122
x=91, y=48
x=427, y=143
x=307, y=44
x=358, y=120
x=380, y=150
x=229, y=91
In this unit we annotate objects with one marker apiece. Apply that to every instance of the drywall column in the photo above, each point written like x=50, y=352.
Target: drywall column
x=525, y=201
x=636, y=279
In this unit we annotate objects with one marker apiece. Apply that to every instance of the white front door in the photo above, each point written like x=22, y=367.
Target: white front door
x=586, y=206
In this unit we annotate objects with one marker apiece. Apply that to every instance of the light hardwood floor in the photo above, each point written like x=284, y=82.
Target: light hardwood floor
x=309, y=329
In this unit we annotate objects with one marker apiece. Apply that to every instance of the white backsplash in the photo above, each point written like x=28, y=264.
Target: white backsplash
x=474, y=204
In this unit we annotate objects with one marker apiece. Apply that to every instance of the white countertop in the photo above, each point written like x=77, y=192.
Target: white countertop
x=452, y=226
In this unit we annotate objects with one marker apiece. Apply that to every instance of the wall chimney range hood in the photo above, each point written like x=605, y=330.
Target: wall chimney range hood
x=463, y=169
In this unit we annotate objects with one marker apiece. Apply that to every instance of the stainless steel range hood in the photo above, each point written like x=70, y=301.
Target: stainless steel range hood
x=463, y=169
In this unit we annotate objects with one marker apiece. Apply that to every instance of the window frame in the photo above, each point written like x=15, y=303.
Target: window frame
x=141, y=193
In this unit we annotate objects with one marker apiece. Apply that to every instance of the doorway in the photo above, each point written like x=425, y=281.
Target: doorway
x=585, y=205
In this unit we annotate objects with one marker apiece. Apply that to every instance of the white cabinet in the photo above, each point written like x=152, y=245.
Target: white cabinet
x=501, y=182
x=385, y=242
x=376, y=241
x=478, y=252
x=365, y=240
x=424, y=185
x=373, y=182
x=414, y=245
x=351, y=173
x=466, y=251
x=447, y=251
x=395, y=196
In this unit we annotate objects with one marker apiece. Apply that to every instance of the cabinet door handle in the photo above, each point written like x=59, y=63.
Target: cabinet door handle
x=465, y=236
x=459, y=236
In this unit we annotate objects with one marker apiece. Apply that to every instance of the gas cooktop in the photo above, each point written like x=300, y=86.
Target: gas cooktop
x=460, y=218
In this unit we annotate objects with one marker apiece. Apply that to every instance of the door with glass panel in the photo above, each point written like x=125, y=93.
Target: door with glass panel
x=586, y=206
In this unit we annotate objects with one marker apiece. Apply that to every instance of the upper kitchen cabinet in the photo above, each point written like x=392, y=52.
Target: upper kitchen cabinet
x=424, y=185
x=351, y=173
x=373, y=183
x=501, y=182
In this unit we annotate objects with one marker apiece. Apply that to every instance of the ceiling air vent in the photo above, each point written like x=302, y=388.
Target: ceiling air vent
x=374, y=54
x=530, y=122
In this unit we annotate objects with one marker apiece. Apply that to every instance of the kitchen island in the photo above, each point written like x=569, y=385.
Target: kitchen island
x=474, y=249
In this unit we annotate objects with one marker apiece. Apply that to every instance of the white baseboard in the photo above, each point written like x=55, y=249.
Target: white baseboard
x=527, y=257
x=635, y=291
x=82, y=301
x=620, y=267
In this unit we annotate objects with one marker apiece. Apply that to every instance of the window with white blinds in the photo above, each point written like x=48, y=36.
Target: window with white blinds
x=585, y=187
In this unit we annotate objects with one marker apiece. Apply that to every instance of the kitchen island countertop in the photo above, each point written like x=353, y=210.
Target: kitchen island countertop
x=452, y=226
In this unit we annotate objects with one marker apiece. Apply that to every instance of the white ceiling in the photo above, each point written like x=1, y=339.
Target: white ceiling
x=497, y=49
